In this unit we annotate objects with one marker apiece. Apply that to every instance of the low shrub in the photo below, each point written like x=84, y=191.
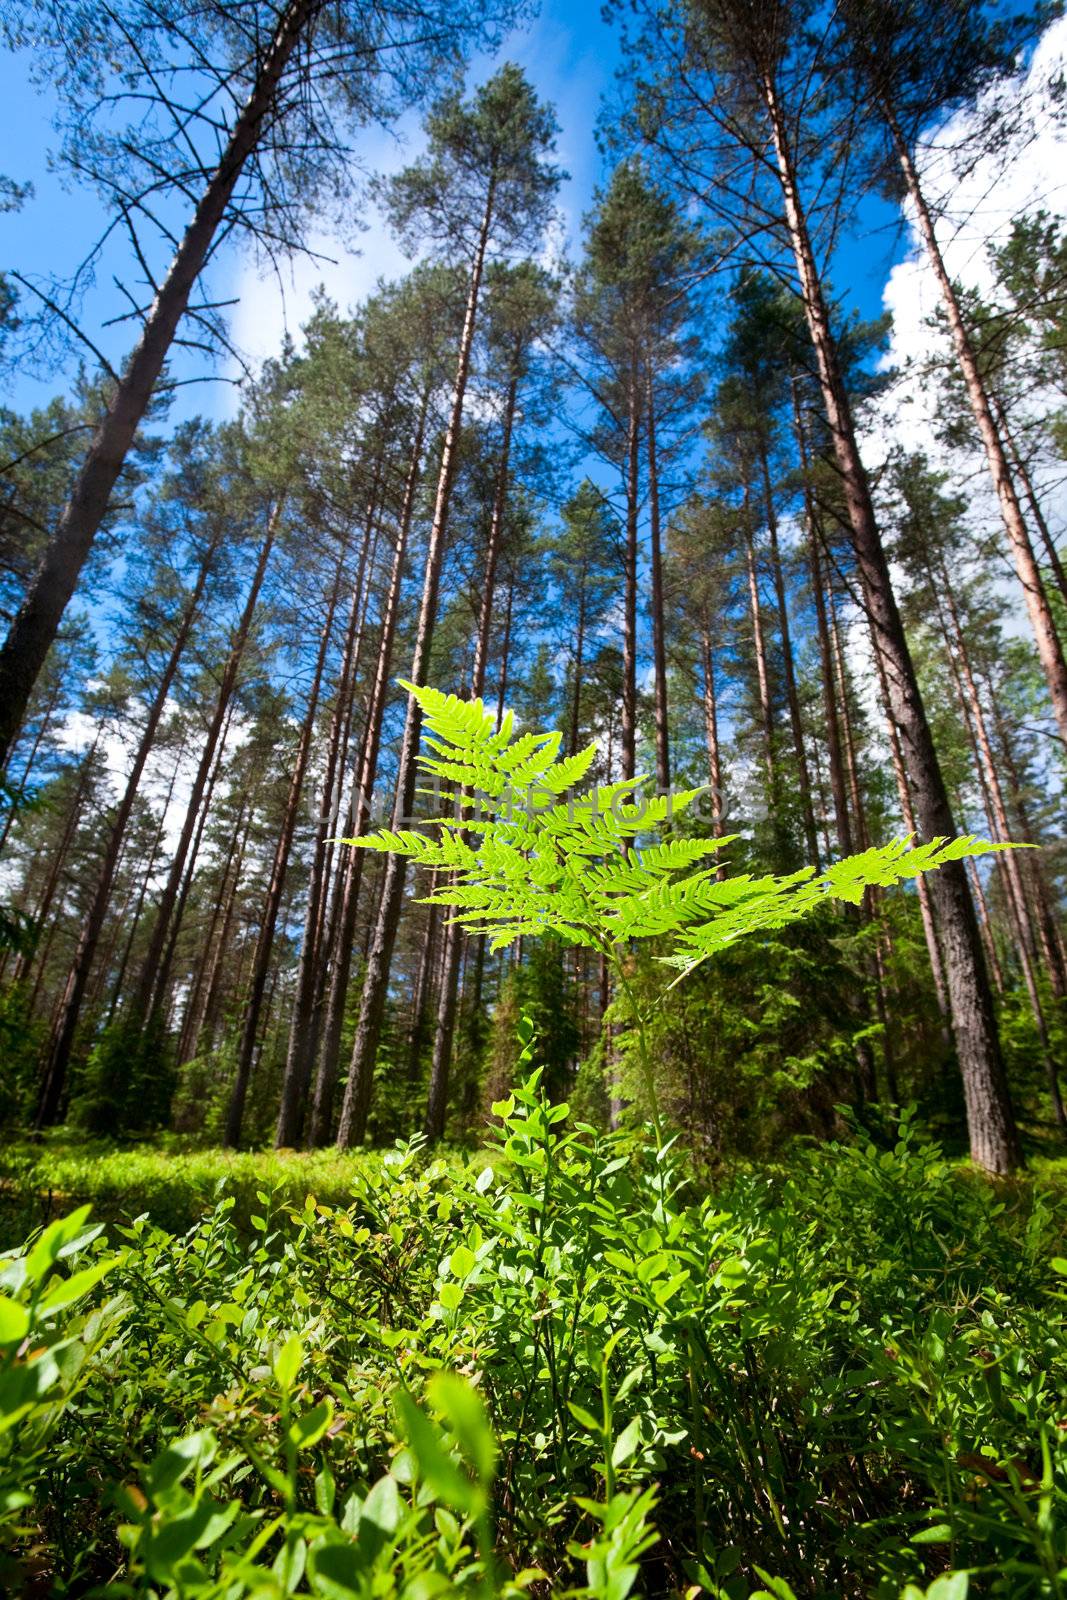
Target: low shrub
x=565, y=1372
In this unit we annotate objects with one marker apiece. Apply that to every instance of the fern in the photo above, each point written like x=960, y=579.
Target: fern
x=521, y=854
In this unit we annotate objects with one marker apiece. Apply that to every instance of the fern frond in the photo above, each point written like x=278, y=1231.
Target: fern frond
x=590, y=866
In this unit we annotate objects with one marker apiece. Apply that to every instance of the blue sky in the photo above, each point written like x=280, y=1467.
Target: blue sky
x=568, y=51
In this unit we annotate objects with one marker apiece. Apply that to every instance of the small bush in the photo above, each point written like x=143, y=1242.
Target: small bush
x=846, y=1378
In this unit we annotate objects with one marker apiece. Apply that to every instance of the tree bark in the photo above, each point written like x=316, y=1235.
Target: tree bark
x=659, y=644
x=57, y=1060
x=37, y=622
x=300, y=1055
x=760, y=646
x=974, y=717
x=200, y=988
x=276, y=887
x=1049, y=648
x=628, y=731
x=994, y=1139
x=322, y=1099
x=711, y=734
x=59, y=860
x=146, y=995
x=1022, y=473
x=132, y=920
x=842, y=825
x=356, y=1104
x=926, y=912
x=796, y=725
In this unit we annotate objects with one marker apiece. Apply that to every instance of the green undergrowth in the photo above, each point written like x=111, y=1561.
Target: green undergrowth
x=175, y=1186
x=564, y=1372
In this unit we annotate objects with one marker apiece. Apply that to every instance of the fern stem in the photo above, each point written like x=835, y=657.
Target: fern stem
x=642, y=1045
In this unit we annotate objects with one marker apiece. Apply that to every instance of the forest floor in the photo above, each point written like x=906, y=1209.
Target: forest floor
x=392, y=1374
x=173, y=1181
x=176, y=1181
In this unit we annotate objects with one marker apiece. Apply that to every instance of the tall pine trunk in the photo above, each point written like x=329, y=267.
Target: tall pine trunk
x=628, y=732
x=759, y=644
x=356, y=1104
x=926, y=910
x=659, y=641
x=37, y=622
x=340, y=943
x=147, y=994
x=1049, y=647
x=276, y=885
x=437, y=1101
x=792, y=695
x=994, y=1139
x=978, y=733
x=302, y=1033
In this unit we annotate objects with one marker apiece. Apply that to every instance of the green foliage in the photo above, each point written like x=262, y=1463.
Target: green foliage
x=176, y=1185
x=841, y=1379
x=547, y=858
x=128, y=1081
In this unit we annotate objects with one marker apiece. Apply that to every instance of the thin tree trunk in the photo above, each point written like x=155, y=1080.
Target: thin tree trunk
x=300, y=1055
x=14, y=800
x=1022, y=473
x=167, y=963
x=628, y=732
x=209, y=1021
x=132, y=921
x=987, y=927
x=420, y=1003
x=796, y=725
x=579, y=668
x=437, y=1100
x=57, y=1060
x=994, y=1139
x=496, y=534
x=55, y=872
x=505, y=654
x=1048, y=932
x=356, y=1103
x=322, y=1099
x=276, y=887
x=759, y=643
x=659, y=644
x=146, y=993
x=37, y=622
x=1049, y=647
x=711, y=730
x=864, y=913
x=200, y=988
x=974, y=717
x=926, y=912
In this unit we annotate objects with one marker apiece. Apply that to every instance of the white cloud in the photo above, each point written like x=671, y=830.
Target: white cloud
x=565, y=71
x=975, y=203
x=975, y=206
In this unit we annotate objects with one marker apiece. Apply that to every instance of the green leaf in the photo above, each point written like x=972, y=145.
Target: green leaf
x=67, y=1290
x=459, y=1404
x=309, y=1429
x=55, y=1241
x=627, y=1442
x=288, y=1361
x=435, y=1464
x=14, y=1321
x=949, y=1586
x=462, y=1262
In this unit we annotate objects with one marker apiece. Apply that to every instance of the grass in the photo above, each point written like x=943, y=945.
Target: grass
x=173, y=1182
x=568, y=1370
